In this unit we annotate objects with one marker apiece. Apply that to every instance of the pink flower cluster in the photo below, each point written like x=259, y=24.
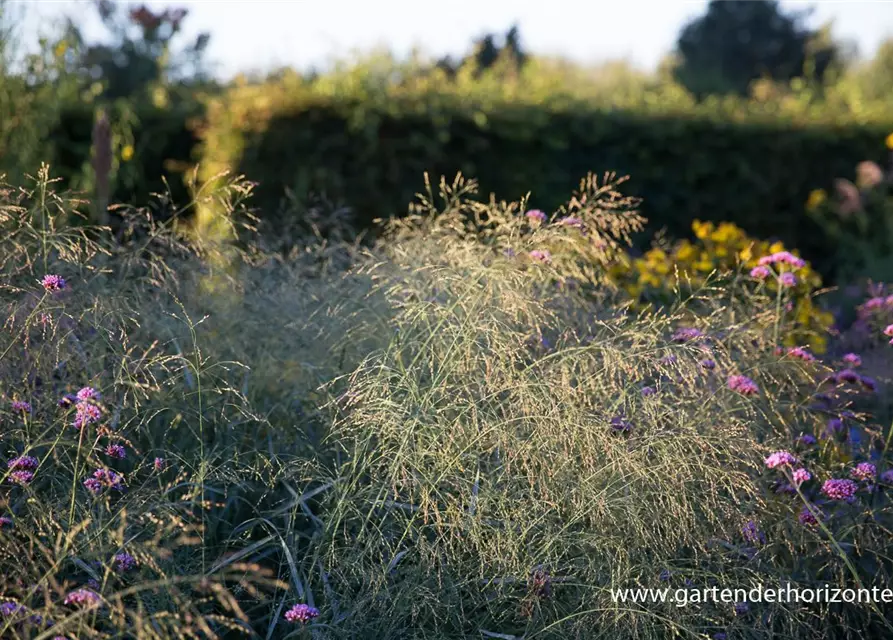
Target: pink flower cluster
x=787, y=279
x=889, y=332
x=801, y=353
x=743, y=385
x=783, y=257
x=760, y=272
x=874, y=304
x=780, y=458
x=82, y=597
x=301, y=613
x=536, y=214
x=53, y=283
x=801, y=475
x=104, y=478
x=853, y=359
x=87, y=412
x=541, y=255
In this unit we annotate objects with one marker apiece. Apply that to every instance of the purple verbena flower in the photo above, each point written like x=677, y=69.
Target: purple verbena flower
x=21, y=477
x=619, y=423
x=806, y=440
x=888, y=331
x=93, y=485
x=835, y=427
x=752, y=533
x=779, y=458
x=5, y=521
x=801, y=475
x=301, y=613
x=23, y=463
x=708, y=364
x=743, y=385
x=864, y=471
x=808, y=518
x=887, y=476
x=20, y=406
x=110, y=479
x=116, y=451
x=648, y=391
x=536, y=215
x=840, y=489
x=9, y=609
x=868, y=383
x=123, y=562
x=787, y=279
x=158, y=464
x=67, y=400
x=52, y=282
x=848, y=375
x=541, y=255
x=686, y=334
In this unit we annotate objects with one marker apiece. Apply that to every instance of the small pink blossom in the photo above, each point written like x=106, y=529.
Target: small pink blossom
x=801, y=475
x=87, y=393
x=82, y=597
x=53, y=283
x=801, y=353
x=760, y=272
x=780, y=458
x=853, y=359
x=536, y=214
x=541, y=255
x=743, y=385
x=785, y=257
x=787, y=279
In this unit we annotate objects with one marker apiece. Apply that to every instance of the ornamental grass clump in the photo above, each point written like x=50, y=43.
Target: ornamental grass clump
x=475, y=458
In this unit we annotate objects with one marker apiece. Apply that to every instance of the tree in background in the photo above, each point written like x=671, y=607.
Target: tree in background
x=486, y=54
x=739, y=41
x=140, y=54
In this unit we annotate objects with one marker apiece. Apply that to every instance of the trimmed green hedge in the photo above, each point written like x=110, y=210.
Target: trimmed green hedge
x=371, y=155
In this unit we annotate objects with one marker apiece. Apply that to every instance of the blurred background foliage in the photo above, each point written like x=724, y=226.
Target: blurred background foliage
x=748, y=117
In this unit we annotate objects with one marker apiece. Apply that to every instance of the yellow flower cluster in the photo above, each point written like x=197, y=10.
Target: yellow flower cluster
x=720, y=249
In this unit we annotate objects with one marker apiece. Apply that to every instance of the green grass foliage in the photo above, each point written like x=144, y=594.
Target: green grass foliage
x=442, y=435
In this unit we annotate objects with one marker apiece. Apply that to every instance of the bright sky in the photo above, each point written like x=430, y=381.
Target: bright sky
x=259, y=34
